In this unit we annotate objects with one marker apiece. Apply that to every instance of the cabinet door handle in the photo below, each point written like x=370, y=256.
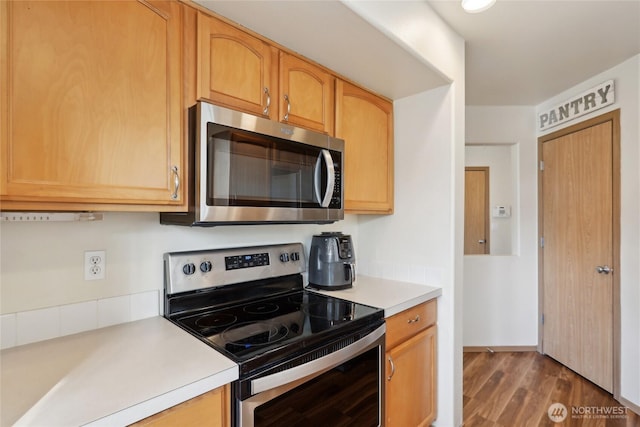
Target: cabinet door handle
x=286, y=116
x=393, y=368
x=414, y=320
x=266, y=108
x=176, y=183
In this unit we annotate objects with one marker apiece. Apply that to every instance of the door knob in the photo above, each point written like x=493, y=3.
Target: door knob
x=482, y=241
x=604, y=269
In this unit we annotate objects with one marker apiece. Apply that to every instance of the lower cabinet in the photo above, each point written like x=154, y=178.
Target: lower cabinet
x=211, y=409
x=411, y=367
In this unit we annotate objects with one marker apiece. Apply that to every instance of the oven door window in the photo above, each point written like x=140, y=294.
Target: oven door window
x=348, y=395
x=247, y=169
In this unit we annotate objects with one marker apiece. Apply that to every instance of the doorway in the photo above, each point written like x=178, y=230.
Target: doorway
x=476, y=210
x=579, y=208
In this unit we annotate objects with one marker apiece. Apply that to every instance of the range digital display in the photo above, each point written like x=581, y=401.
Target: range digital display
x=246, y=261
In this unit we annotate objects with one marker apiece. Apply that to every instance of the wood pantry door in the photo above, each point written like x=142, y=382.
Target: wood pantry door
x=476, y=210
x=578, y=195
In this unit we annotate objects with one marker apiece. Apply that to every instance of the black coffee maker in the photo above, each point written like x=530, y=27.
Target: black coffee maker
x=332, y=261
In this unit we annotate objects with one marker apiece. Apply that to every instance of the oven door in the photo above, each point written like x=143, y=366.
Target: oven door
x=345, y=387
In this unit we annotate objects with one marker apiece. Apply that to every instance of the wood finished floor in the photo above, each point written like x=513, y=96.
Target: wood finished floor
x=516, y=389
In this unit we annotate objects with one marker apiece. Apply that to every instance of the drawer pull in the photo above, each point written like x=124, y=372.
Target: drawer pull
x=414, y=320
x=393, y=369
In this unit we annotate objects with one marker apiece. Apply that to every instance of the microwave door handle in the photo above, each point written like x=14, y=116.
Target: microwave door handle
x=325, y=156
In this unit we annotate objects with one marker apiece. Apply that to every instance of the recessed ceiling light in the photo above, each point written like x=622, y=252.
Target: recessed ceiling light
x=475, y=6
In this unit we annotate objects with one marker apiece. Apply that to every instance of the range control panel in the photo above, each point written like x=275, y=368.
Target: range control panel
x=194, y=270
x=246, y=261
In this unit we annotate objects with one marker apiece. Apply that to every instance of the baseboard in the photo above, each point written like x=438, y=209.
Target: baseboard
x=635, y=408
x=492, y=349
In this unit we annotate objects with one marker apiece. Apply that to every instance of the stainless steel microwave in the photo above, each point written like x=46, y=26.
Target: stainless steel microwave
x=248, y=170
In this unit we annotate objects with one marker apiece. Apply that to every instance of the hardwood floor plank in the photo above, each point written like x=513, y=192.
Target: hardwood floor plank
x=539, y=381
x=513, y=411
x=484, y=397
x=468, y=357
x=478, y=421
x=513, y=368
x=517, y=389
x=480, y=370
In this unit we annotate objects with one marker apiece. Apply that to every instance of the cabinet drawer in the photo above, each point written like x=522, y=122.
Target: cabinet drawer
x=211, y=409
x=409, y=322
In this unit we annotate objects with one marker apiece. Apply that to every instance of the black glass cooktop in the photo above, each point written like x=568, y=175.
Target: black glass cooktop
x=273, y=327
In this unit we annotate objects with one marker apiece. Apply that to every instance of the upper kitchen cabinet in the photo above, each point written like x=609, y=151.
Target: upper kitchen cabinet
x=243, y=72
x=306, y=94
x=235, y=69
x=365, y=122
x=92, y=119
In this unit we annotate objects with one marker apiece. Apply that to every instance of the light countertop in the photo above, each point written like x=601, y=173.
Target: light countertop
x=391, y=295
x=121, y=374
x=110, y=376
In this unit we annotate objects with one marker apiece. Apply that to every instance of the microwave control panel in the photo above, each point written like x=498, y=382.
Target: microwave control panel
x=336, y=199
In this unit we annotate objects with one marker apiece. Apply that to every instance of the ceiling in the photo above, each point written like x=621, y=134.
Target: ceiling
x=519, y=52
x=522, y=52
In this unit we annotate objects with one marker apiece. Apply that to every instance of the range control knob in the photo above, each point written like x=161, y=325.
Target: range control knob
x=189, y=269
x=295, y=256
x=205, y=266
x=284, y=257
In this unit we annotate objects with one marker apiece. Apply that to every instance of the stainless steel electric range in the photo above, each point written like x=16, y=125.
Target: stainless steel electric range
x=304, y=358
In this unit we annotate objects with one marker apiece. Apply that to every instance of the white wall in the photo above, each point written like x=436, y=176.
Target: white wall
x=42, y=263
x=501, y=292
x=416, y=243
x=425, y=235
x=627, y=91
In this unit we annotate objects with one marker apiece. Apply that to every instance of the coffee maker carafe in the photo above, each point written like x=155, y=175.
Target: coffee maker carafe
x=332, y=261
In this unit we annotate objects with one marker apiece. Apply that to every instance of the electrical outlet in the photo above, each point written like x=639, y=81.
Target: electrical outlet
x=95, y=265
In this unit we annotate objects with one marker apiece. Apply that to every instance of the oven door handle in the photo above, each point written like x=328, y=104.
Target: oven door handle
x=317, y=366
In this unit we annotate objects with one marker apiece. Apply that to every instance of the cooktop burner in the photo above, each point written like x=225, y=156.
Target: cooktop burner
x=215, y=320
x=261, y=308
x=252, y=334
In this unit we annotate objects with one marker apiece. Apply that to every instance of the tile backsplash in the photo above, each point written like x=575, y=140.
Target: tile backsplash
x=38, y=325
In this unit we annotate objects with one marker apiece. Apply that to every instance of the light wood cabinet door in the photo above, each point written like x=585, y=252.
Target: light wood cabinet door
x=92, y=113
x=235, y=69
x=411, y=381
x=365, y=122
x=306, y=94
x=211, y=409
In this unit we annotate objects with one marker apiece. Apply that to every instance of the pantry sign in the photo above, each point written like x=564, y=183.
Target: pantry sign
x=591, y=100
